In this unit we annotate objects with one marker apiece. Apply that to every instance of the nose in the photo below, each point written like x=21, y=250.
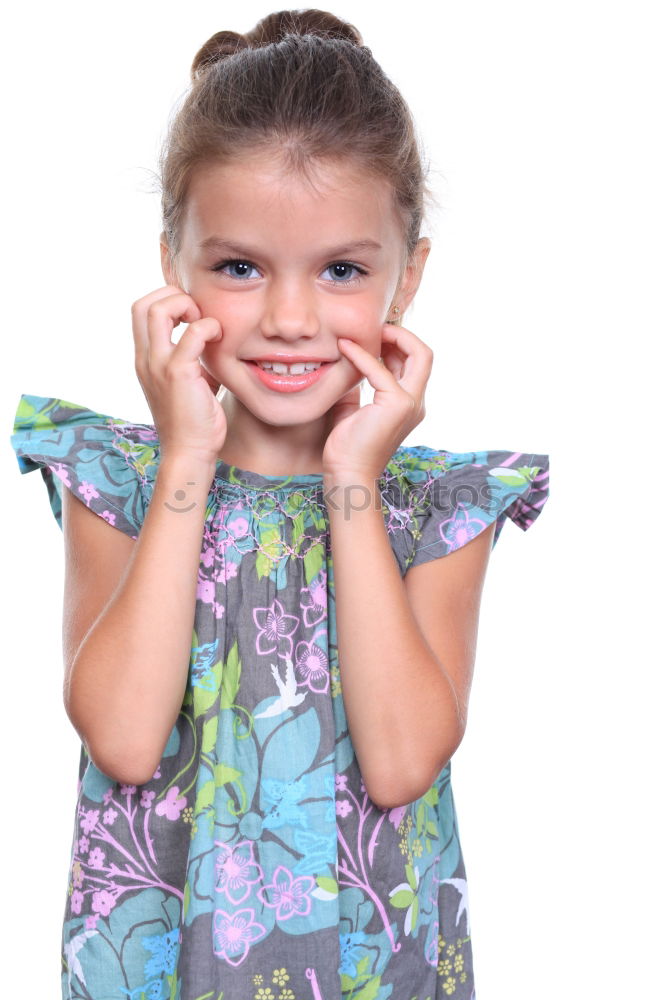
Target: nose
x=290, y=312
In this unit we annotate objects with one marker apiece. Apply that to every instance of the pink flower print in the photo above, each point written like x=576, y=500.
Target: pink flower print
x=233, y=933
x=273, y=624
x=287, y=895
x=206, y=591
x=109, y=817
x=84, y=844
x=396, y=815
x=312, y=666
x=146, y=798
x=236, y=870
x=158, y=773
x=343, y=807
x=230, y=570
x=108, y=795
x=341, y=782
x=460, y=528
x=96, y=858
x=89, y=820
x=313, y=600
x=91, y=921
x=88, y=491
x=147, y=434
x=218, y=609
x=238, y=527
x=108, y=516
x=77, y=901
x=103, y=902
x=127, y=790
x=61, y=472
x=207, y=556
x=171, y=806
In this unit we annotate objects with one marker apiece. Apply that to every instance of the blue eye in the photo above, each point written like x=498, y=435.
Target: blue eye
x=341, y=270
x=240, y=269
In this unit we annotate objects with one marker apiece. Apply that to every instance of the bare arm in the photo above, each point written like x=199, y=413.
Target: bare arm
x=129, y=605
x=406, y=649
x=128, y=618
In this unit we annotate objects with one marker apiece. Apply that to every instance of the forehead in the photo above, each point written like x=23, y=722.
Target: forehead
x=260, y=192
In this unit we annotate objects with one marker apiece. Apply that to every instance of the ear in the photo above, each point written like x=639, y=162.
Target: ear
x=412, y=274
x=168, y=267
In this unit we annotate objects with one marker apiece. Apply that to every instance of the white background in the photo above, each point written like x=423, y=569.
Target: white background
x=542, y=299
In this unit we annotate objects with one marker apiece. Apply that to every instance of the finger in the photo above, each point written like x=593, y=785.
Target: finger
x=418, y=358
x=191, y=345
x=139, y=320
x=377, y=374
x=162, y=316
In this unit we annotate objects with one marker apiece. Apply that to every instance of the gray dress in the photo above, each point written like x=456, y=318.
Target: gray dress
x=253, y=865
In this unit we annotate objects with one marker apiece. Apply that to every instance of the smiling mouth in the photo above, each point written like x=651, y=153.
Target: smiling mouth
x=283, y=381
x=290, y=369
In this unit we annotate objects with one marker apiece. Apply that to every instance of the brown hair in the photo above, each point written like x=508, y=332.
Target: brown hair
x=302, y=83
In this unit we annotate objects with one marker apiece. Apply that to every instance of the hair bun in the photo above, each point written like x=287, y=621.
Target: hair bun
x=273, y=28
x=223, y=43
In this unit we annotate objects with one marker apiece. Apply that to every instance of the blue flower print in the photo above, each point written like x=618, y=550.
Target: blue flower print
x=165, y=952
x=202, y=659
x=351, y=953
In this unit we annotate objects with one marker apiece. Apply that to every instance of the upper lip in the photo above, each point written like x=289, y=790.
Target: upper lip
x=289, y=359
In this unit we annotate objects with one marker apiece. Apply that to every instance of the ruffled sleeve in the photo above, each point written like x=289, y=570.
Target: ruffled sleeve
x=437, y=501
x=107, y=463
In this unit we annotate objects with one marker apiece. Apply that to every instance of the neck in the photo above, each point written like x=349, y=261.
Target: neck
x=268, y=450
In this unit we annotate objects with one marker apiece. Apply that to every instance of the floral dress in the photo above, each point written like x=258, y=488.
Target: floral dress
x=253, y=865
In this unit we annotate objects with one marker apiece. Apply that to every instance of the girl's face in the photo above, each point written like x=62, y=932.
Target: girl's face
x=287, y=267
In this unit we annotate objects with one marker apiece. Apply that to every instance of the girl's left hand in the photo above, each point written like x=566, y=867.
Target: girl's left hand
x=364, y=438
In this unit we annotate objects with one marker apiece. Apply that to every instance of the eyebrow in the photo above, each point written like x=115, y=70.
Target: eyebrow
x=227, y=246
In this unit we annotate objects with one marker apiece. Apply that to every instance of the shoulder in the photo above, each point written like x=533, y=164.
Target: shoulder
x=106, y=462
x=437, y=501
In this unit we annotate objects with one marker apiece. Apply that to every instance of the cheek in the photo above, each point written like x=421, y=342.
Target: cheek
x=361, y=322
x=233, y=312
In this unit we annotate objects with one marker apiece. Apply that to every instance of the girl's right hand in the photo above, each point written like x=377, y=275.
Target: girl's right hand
x=180, y=392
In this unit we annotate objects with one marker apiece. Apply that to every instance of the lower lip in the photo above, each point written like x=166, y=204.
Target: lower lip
x=288, y=383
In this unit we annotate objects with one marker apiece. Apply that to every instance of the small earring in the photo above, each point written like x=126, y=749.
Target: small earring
x=396, y=312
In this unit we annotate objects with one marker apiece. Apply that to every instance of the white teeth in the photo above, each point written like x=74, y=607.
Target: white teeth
x=298, y=368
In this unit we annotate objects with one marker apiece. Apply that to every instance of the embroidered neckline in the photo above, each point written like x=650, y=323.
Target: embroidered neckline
x=235, y=476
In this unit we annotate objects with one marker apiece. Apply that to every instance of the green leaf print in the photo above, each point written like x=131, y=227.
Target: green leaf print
x=328, y=884
x=26, y=414
x=205, y=698
x=515, y=477
x=204, y=798
x=313, y=561
x=298, y=532
x=271, y=550
x=230, y=678
x=370, y=990
x=411, y=877
x=431, y=796
x=225, y=775
x=143, y=457
x=209, y=735
x=401, y=898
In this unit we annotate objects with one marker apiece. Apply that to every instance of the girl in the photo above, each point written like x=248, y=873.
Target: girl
x=267, y=660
